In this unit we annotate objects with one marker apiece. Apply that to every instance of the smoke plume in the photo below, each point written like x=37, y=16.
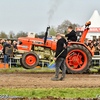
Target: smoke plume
x=54, y=6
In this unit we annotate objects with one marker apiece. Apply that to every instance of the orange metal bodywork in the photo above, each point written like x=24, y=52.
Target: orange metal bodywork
x=83, y=35
x=79, y=43
x=50, y=44
x=27, y=42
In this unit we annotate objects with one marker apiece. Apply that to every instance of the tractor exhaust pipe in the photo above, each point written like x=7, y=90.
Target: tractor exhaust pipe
x=46, y=34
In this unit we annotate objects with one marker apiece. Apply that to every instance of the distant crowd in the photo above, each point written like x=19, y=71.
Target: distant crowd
x=6, y=43
x=3, y=42
x=94, y=45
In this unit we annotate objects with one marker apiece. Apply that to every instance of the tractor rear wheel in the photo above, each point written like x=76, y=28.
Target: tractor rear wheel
x=78, y=59
x=30, y=60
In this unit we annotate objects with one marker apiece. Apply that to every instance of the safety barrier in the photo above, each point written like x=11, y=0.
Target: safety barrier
x=10, y=60
x=95, y=58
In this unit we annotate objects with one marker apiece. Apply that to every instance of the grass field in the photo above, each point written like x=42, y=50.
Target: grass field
x=64, y=93
x=57, y=92
x=21, y=69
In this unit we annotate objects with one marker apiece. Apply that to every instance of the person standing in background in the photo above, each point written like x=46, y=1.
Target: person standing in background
x=6, y=57
x=3, y=42
x=14, y=45
x=1, y=48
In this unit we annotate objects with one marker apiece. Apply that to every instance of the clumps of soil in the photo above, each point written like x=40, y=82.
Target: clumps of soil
x=51, y=98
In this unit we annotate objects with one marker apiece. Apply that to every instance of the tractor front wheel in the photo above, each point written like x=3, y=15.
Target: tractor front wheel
x=30, y=60
x=78, y=59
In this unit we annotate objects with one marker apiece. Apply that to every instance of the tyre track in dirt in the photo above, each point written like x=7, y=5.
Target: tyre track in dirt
x=43, y=80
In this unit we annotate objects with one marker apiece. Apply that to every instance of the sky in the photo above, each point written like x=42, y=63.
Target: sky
x=36, y=15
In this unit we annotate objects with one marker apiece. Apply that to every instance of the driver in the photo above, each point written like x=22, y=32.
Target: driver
x=72, y=34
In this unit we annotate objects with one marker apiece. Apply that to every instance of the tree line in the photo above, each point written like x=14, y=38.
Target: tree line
x=12, y=35
x=62, y=28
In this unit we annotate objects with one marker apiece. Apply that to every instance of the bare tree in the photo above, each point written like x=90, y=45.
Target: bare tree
x=3, y=35
x=52, y=31
x=41, y=34
x=63, y=27
x=75, y=25
x=21, y=34
x=36, y=35
x=11, y=34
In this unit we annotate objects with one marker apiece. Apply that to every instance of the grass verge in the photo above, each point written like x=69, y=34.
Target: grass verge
x=64, y=93
x=44, y=69
x=21, y=69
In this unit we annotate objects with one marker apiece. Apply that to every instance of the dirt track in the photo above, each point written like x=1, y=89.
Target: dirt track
x=43, y=80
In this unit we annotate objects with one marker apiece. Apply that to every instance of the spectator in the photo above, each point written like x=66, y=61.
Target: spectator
x=98, y=49
x=90, y=45
x=3, y=42
x=0, y=40
x=9, y=42
x=97, y=41
x=14, y=45
x=1, y=48
x=97, y=52
x=6, y=41
x=6, y=57
x=94, y=43
x=87, y=41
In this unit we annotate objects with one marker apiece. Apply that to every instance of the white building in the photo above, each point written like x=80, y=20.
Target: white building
x=94, y=31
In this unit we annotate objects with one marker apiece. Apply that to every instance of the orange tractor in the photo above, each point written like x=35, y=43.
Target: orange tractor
x=34, y=50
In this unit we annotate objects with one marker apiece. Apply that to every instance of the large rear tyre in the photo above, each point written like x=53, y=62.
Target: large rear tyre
x=30, y=60
x=78, y=59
